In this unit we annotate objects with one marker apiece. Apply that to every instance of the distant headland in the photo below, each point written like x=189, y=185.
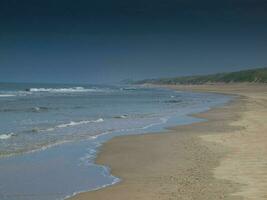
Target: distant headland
x=250, y=76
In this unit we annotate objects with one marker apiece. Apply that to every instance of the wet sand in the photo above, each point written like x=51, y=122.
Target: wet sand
x=221, y=158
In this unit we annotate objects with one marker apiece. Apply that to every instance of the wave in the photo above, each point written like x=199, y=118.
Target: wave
x=13, y=93
x=7, y=95
x=37, y=130
x=163, y=120
x=120, y=117
x=72, y=123
x=33, y=109
x=173, y=101
x=115, y=181
x=39, y=109
x=35, y=149
x=63, y=90
x=129, y=88
x=6, y=136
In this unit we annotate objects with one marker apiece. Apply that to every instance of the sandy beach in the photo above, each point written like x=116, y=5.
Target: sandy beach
x=221, y=158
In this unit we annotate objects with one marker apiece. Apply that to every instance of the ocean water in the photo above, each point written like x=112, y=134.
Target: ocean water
x=50, y=134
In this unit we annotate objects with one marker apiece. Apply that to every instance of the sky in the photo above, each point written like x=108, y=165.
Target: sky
x=105, y=41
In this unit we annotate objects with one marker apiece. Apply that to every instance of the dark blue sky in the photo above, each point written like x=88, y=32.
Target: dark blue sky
x=108, y=40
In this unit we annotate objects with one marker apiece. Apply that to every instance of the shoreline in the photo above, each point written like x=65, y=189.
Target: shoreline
x=186, y=162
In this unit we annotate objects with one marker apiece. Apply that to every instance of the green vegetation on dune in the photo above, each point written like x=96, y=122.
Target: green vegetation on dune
x=251, y=76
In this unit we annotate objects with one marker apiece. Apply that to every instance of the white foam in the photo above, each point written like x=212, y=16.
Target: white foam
x=72, y=123
x=64, y=90
x=50, y=129
x=163, y=120
x=120, y=117
x=7, y=95
x=99, y=135
x=6, y=136
x=115, y=181
x=99, y=120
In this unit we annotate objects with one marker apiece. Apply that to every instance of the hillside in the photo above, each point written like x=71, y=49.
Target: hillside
x=251, y=76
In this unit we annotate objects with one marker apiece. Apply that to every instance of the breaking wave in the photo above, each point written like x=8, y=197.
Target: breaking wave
x=6, y=136
x=120, y=117
x=63, y=90
x=7, y=95
x=72, y=123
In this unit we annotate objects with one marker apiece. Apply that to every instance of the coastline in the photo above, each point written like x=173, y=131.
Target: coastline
x=205, y=160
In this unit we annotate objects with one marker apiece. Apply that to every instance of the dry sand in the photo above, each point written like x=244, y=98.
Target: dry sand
x=222, y=158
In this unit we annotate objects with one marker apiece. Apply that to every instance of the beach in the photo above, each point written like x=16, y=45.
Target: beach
x=223, y=157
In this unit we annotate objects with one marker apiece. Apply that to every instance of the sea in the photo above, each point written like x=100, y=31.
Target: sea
x=50, y=134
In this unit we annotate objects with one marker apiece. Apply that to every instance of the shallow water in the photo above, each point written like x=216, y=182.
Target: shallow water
x=63, y=126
